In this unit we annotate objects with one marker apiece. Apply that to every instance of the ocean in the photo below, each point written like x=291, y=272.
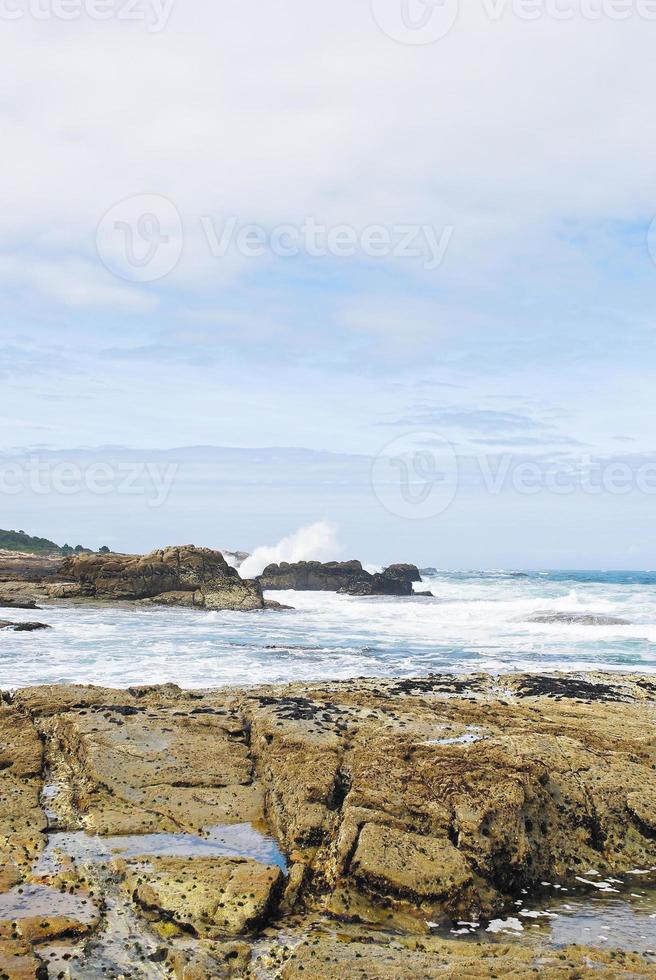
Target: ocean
x=478, y=621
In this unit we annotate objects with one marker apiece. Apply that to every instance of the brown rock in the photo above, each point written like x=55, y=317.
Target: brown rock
x=410, y=865
x=397, y=802
x=18, y=962
x=226, y=959
x=642, y=805
x=11, y=599
x=21, y=817
x=325, y=956
x=136, y=769
x=213, y=897
x=200, y=573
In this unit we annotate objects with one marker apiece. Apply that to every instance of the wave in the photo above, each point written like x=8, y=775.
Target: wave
x=315, y=542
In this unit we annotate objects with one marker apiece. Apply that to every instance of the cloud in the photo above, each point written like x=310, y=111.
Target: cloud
x=470, y=420
x=290, y=142
x=71, y=283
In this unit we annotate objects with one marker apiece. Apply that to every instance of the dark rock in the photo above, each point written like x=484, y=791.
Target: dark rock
x=347, y=577
x=313, y=576
x=13, y=602
x=23, y=627
x=550, y=686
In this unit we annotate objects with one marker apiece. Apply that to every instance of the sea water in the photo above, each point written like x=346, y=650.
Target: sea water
x=477, y=621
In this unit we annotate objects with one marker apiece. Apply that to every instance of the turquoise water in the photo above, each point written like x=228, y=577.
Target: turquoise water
x=478, y=621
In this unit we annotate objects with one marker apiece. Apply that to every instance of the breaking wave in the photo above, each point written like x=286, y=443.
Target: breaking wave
x=315, y=542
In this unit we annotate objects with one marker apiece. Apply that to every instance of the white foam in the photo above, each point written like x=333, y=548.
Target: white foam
x=315, y=542
x=477, y=624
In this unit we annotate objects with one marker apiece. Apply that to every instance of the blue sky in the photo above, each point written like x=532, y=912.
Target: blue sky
x=528, y=145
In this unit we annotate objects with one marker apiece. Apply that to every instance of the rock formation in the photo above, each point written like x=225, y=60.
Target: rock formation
x=399, y=804
x=22, y=627
x=347, y=577
x=578, y=619
x=182, y=576
x=185, y=576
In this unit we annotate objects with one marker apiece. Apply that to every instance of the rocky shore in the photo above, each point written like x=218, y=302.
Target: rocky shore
x=319, y=830
x=174, y=576
x=183, y=576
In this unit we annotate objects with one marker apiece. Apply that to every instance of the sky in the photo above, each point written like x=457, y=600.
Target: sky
x=385, y=265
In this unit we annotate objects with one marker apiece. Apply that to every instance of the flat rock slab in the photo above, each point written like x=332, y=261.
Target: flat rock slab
x=411, y=864
x=212, y=897
x=137, y=769
x=325, y=957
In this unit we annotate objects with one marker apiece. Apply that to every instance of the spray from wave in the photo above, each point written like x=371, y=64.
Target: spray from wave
x=315, y=542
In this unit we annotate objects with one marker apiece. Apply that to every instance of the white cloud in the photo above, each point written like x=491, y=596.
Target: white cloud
x=504, y=129
x=75, y=284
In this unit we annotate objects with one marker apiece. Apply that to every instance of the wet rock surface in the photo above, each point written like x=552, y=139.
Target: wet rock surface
x=409, y=811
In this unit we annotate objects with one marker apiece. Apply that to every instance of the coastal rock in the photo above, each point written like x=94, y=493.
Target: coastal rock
x=139, y=769
x=383, y=786
x=23, y=627
x=16, y=567
x=348, y=577
x=642, y=805
x=354, y=954
x=409, y=864
x=9, y=599
x=214, y=897
x=21, y=818
x=20, y=594
x=19, y=962
x=578, y=619
x=400, y=805
x=207, y=959
x=178, y=576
